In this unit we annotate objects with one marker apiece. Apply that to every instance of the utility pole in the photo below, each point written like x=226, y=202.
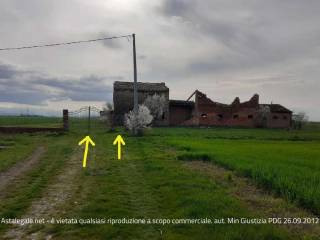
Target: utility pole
x=135, y=84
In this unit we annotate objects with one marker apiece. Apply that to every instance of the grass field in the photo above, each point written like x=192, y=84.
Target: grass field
x=30, y=121
x=151, y=181
x=289, y=168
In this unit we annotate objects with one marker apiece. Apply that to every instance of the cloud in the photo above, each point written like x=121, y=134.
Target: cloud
x=36, y=88
x=115, y=44
x=176, y=7
x=225, y=48
x=250, y=35
x=141, y=56
x=7, y=71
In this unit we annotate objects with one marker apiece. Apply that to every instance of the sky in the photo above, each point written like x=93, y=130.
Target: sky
x=223, y=48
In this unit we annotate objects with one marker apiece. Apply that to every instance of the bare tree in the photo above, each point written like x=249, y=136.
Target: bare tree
x=156, y=105
x=299, y=119
x=138, y=121
x=107, y=115
x=108, y=106
x=262, y=116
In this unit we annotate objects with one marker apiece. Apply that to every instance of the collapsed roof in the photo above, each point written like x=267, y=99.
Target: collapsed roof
x=277, y=108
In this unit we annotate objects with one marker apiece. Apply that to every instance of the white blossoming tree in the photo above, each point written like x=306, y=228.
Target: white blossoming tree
x=138, y=121
x=156, y=105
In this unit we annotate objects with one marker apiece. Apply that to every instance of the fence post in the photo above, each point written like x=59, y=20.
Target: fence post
x=89, y=118
x=65, y=114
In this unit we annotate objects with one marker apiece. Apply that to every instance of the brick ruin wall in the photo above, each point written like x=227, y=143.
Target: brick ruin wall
x=180, y=114
x=279, y=120
x=209, y=113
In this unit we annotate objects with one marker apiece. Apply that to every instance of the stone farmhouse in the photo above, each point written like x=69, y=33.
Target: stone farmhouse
x=202, y=111
x=123, y=99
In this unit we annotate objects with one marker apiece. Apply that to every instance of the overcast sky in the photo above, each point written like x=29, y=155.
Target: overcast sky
x=223, y=48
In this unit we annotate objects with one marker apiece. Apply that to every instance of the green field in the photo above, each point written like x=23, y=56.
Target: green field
x=152, y=181
x=30, y=121
x=289, y=165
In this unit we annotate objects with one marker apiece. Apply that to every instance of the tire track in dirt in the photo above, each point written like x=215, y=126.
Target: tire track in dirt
x=53, y=202
x=13, y=173
x=257, y=200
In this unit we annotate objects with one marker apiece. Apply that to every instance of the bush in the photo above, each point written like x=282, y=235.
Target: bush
x=194, y=157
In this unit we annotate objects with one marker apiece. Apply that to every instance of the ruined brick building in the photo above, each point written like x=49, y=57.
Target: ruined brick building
x=202, y=111
x=205, y=112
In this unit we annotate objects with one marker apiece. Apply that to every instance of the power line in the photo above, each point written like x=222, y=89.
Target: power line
x=64, y=43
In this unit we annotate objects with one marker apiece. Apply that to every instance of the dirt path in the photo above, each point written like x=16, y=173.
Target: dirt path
x=12, y=174
x=53, y=203
x=258, y=201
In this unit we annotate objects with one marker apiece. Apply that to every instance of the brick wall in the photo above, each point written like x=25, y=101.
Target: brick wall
x=179, y=114
x=211, y=113
x=241, y=118
x=279, y=120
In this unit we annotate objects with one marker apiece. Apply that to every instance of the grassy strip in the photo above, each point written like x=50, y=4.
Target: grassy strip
x=20, y=146
x=259, y=202
x=21, y=194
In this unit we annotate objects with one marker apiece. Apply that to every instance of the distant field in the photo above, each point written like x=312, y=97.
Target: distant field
x=75, y=123
x=309, y=132
x=30, y=121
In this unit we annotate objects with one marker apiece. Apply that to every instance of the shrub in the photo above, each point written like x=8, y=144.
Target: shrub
x=194, y=157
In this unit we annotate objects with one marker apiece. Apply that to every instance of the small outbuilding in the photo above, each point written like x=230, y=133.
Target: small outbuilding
x=123, y=99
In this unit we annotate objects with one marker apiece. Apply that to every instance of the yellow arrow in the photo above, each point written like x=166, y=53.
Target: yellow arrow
x=87, y=140
x=119, y=141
